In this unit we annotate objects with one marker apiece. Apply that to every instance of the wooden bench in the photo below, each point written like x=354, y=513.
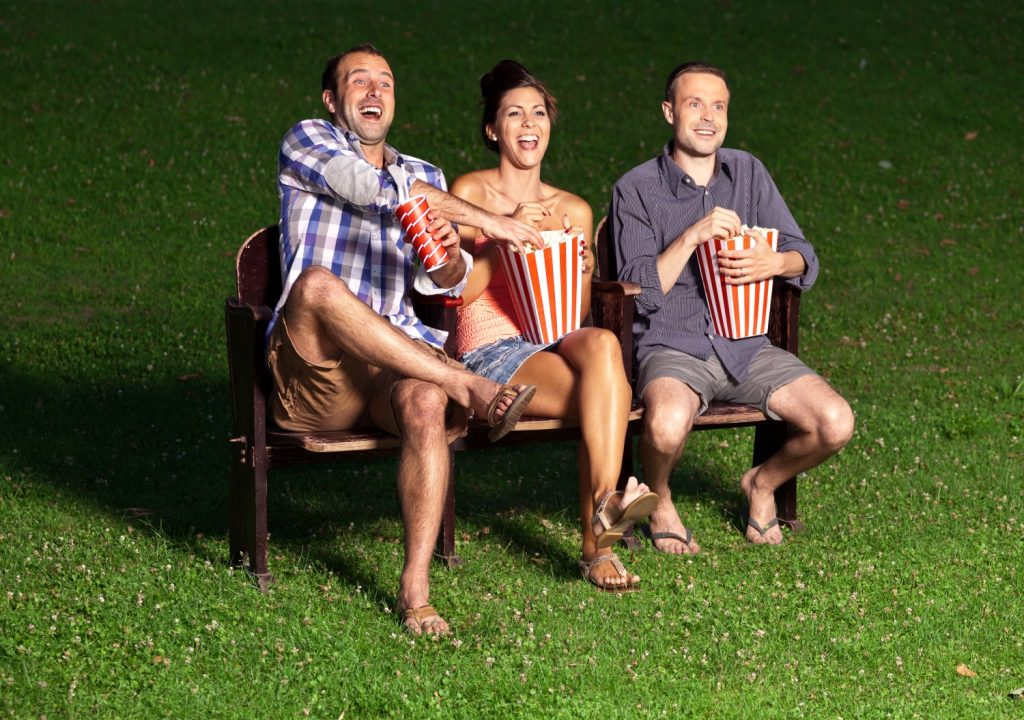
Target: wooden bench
x=257, y=446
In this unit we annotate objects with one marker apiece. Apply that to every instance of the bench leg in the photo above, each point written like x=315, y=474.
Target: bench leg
x=248, y=512
x=768, y=439
x=445, y=550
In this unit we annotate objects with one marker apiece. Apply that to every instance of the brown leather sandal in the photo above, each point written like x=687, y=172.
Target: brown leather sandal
x=587, y=565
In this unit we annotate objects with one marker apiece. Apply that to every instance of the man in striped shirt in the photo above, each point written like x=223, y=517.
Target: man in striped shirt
x=662, y=211
x=345, y=347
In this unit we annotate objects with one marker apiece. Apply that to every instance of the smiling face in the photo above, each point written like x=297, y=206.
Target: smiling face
x=521, y=127
x=698, y=114
x=364, y=98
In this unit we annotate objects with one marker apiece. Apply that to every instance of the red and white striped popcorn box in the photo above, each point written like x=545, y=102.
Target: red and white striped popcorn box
x=545, y=284
x=737, y=311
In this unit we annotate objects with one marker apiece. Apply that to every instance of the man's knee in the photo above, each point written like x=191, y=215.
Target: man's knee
x=668, y=422
x=835, y=425
x=314, y=287
x=419, y=406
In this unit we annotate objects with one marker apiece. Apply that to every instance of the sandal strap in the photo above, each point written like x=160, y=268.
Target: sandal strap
x=600, y=515
x=587, y=565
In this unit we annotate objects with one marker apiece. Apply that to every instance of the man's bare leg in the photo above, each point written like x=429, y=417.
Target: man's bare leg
x=324, y=316
x=670, y=407
x=823, y=424
x=422, y=483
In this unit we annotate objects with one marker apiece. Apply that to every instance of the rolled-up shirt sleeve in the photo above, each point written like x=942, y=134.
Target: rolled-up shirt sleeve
x=312, y=160
x=636, y=248
x=772, y=211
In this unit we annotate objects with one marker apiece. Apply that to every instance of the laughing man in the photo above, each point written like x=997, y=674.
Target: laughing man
x=345, y=346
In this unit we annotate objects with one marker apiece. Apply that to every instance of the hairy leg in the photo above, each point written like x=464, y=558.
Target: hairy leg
x=324, y=316
x=670, y=407
x=822, y=424
x=423, y=472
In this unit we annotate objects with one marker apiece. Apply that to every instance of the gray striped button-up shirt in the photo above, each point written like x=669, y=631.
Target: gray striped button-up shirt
x=651, y=206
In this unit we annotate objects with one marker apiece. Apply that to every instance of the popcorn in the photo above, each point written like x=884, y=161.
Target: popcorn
x=546, y=286
x=737, y=311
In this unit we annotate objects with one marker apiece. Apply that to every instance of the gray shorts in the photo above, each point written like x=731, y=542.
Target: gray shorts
x=771, y=369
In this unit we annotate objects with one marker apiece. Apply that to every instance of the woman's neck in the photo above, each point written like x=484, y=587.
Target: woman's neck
x=519, y=184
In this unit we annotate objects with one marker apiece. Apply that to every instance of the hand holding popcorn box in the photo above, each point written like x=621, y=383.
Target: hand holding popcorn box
x=737, y=311
x=545, y=284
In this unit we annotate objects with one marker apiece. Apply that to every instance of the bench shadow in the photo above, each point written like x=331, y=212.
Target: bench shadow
x=157, y=455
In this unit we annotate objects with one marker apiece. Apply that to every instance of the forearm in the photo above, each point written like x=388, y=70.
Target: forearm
x=672, y=260
x=450, y=207
x=791, y=264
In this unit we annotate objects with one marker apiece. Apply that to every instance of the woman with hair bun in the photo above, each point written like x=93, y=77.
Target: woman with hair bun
x=580, y=376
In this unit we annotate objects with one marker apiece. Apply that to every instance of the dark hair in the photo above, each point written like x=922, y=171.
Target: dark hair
x=503, y=77
x=693, y=66
x=328, y=81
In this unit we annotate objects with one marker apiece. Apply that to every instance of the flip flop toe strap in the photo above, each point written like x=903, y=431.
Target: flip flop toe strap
x=767, y=526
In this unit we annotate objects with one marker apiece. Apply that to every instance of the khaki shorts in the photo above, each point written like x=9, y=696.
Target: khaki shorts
x=340, y=395
x=771, y=369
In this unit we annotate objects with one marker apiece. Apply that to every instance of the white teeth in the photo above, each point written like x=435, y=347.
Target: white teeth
x=527, y=138
x=371, y=111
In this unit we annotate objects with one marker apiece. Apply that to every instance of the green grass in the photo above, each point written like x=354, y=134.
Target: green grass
x=139, y=149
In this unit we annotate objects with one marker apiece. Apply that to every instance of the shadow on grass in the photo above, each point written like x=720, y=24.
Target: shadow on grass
x=158, y=454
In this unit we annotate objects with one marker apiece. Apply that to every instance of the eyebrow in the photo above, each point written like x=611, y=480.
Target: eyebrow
x=353, y=71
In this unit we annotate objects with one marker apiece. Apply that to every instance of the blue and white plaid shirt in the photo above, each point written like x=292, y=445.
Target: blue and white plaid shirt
x=337, y=211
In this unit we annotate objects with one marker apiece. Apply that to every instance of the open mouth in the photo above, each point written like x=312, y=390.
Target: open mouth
x=372, y=112
x=705, y=132
x=528, y=142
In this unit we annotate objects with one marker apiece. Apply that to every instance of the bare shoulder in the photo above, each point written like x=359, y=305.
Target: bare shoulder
x=566, y=203
x=472, y=186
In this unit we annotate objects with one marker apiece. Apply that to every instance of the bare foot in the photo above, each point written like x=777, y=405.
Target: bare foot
x=606, y=574
x=668, y=534
x=762, y=512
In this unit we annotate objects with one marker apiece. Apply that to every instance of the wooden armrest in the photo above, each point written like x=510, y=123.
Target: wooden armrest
x=441, y=300
x=260, y=313
x=617, y=287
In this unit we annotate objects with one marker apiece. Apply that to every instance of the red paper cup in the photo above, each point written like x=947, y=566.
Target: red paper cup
x=737, y=311
x=412, y=214
x=545, y=285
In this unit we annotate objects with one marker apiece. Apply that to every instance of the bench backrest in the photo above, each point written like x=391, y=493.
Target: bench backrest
x=258, y=268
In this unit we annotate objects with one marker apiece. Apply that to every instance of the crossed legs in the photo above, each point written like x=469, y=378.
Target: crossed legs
x=326, y=321
x=584, y=379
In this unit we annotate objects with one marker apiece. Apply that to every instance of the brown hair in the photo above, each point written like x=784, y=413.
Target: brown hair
x=509, y=75
x=328, y=81
x=693, y=66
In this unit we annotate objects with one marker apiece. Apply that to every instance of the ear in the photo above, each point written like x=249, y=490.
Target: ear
x=666, y=110
x=328, y=98
x=489, y=129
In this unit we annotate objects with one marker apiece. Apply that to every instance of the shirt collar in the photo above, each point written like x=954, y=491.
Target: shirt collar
x=391, y=156
x=677, y=179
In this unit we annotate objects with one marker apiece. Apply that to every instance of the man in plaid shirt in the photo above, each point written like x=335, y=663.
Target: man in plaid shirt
x=345, y=346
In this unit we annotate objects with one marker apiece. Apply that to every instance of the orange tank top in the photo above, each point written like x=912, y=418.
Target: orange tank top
x=488, y=318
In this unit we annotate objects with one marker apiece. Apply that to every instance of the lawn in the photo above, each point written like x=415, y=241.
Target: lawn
x=139, y=148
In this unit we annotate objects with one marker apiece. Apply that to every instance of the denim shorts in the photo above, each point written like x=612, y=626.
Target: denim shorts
x=499, y=360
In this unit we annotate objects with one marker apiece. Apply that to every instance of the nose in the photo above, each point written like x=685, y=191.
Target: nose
x=374, y=90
